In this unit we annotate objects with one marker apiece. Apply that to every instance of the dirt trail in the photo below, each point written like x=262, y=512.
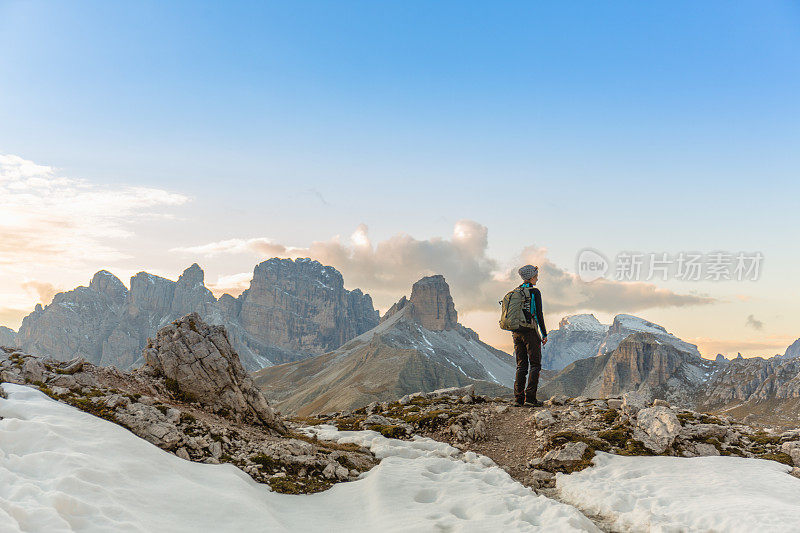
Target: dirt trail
x=511, y=441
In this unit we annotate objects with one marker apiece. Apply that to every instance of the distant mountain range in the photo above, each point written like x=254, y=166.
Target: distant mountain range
x=641, y=362
x=419, y=346
x=582, y=336
x=292, y=310
x=655, y=364
x=332, y=351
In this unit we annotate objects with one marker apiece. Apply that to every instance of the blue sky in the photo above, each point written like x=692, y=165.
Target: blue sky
x=658, y=126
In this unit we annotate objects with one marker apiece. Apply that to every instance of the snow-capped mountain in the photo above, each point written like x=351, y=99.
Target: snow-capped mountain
x=582, y=336
x=625, y=325
x=643, y=362
x=418, y=346
x=577, y=337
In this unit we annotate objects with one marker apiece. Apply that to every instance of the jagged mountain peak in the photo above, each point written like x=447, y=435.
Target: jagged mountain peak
x=642, y=361
x=281, y=268
x=192, y=276
x=107, y=283
x=582, y=336
x=432, y=305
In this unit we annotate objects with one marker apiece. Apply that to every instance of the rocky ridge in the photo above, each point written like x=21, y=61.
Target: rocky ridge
x=793, y=351
x=767, y=390
x=292, y=309
x=198, y=364
x=194, y=400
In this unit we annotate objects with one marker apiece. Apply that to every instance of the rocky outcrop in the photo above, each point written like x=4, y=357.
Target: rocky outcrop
x=300, y=306
x=401, y=355
x=8, y=337
x=292, y=310
x=431, y=305
x=641, y=361
x=625, y=325
x=199, y=364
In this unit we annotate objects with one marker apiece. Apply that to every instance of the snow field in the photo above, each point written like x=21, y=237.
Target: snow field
x=670, y=494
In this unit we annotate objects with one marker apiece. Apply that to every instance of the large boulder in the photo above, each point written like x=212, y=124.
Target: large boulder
x=568, y=456
x=199, y=364
x=792, y=449
x=657, y=428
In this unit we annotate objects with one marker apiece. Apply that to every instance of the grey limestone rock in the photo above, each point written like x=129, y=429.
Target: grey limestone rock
x=199, y=364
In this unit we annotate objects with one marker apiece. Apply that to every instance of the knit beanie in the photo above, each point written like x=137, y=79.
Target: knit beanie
x=528, y=271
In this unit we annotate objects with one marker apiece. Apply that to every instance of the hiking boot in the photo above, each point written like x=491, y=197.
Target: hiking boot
x=534, y=403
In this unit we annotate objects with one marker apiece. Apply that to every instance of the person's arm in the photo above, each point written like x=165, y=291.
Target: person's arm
x=537, y=298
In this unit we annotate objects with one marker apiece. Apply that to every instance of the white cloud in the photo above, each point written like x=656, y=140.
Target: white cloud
x=233, y=284
x=49, y=218
x=43, y=290
x=388, y=268
x=259, y=246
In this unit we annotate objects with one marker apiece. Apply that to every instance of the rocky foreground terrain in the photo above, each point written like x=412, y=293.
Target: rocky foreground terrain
x=194, y=399
x=533, y=444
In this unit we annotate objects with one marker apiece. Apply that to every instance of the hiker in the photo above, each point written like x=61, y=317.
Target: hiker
x=522, y=315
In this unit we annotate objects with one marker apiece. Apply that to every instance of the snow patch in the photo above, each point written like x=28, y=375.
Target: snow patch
x=662, y=494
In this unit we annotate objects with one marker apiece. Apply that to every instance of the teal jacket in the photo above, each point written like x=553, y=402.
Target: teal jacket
x=535, y=310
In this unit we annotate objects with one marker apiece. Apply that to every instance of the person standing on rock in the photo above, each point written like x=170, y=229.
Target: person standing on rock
x=528, y=341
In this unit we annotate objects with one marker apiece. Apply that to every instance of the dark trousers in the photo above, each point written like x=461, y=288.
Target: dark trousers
x=528, y=350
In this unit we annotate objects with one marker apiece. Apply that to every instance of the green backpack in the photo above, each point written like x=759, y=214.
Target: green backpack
x=512, y=317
